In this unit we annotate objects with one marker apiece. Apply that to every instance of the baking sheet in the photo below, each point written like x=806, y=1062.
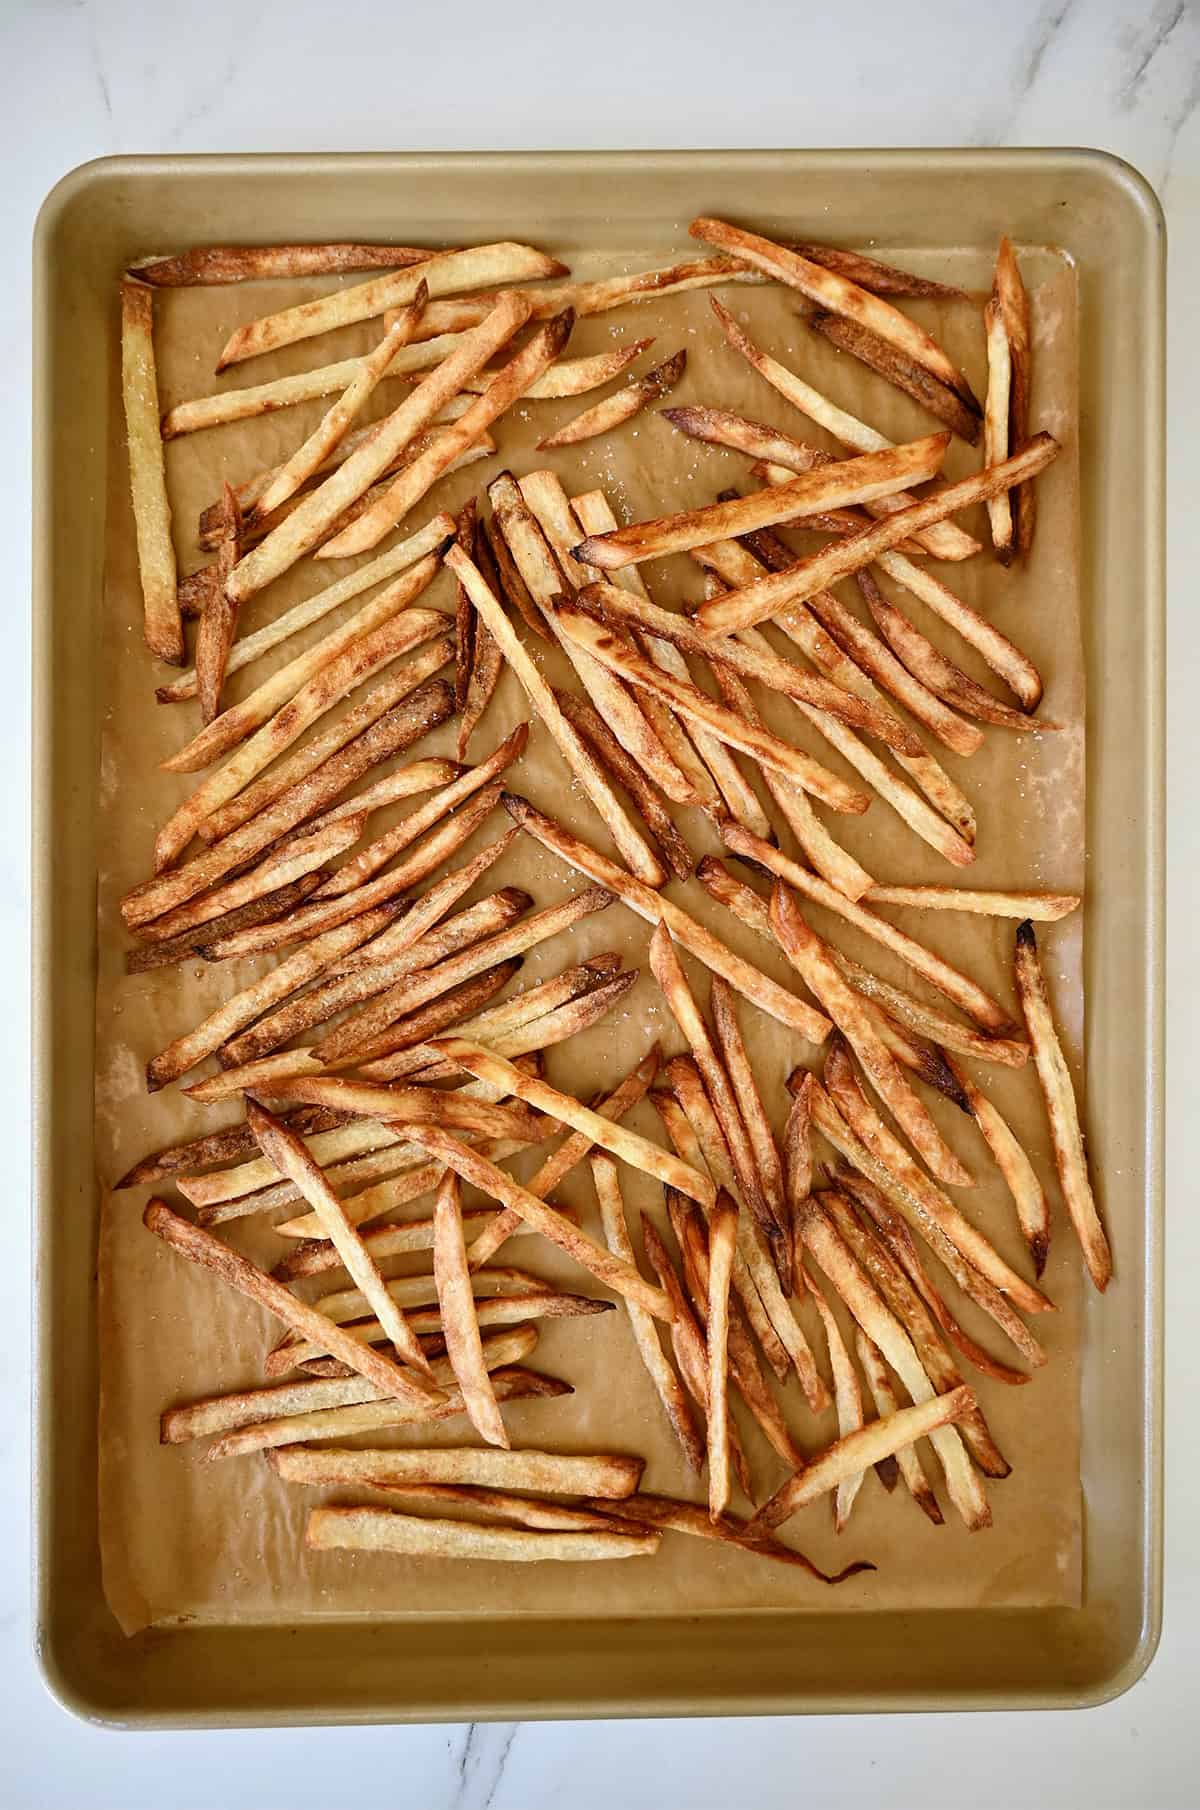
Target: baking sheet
x=185, y=1541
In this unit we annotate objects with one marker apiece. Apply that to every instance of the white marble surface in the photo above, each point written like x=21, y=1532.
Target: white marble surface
x=83, y=78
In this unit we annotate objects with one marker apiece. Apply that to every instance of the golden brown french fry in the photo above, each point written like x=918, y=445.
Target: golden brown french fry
x=1013, y=302
x=880, y=279
x=442, y=273
x=587, y=720
x=722, y=1245
x=315, y=1256
x=290, y=862
x=839, y=295
x=310, y=385
x=850, y=1012
x=322, y=508
x=202, y=1248
x=797, y=1152
x=1029, y=1197
x=599, y=296
x=464, y=609
x=218, y=616
x=848, y=481
x=842, y=557
x=494, y=1310
x=621, y=406
x=574, y=376
x=964, y=992
x=252, y=263
x=995, y=425
x=570, y=1152
x=1042, y=907
x=750, y=982
x=605, y=1475
x=282, y=1147
x=511, y=586
x=184, y=946
x=475, y=780
x=658, y=1368
x=494, y=912
x=887, y=1402
x=505, y=1505
x=735, y=1061
x=907, y=373
x=487, y=661
x=147, y=475
x=632, y=846
x=422, y=1536
x=506, y=387
x=847, y=1399
x=1062, y=1111
x=923, y=1019
x=460, y=1325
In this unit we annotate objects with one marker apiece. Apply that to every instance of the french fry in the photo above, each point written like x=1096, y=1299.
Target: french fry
x=607, y=1476
x=1013, y=302
x=850, y=1012
x=908, y=374
x=735, y=1061
x=986, y=1011
x=212, y=1147
x=600, y=296
x=847, y=1399
x=856, y=480
x=310, y=385
x=996, y=423
x=696, y=705
x=442, y=273
x=1029, y=1197
x=621, y=406
x=721, y=1248
x=401, y=1190
x=315, y=1256
x=252, y=263
x=574, y=376
x=367, y=1032
x=402, y=1107
x=672, y=1516
x=290, y=1156
x=586, y=719
x=283, y=865
x=460, y=1325
x=1043, y=907
x=464, y=609
x=945, y=540
x=147, y=475
x=511, y=585
x=487, y=660
x=321, y=508
x=842, y=557
x=887, y=1403
x=569, y=1153
x=494, y=912
x=185, y=945
x=1062, y=1112
x=880, y=279
x=667, y=1386
x=415, y=1293
x=506, y=387
x=475, y=780
x=505, y=1505
x=633, y=847
x=218, y=617
x=497, y=1310
x=838, y=295
x=923, y=1019
x=202, y=1248
x=422, y=1536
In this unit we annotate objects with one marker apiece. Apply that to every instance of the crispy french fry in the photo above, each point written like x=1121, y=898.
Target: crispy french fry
x=1062, y=1111
x=442, y=273
x=721, y=1248
x=607, y=1476
x=1043, y=907
x=147, y=475
x=797, y=1151
x=621, y=406
x=212, y=1147
x=347, y=1304
x=658, y=1368
x=218, y=616
x=847, y=1399
x=202, y=1248
x=314, y=1256
x=505, y=1505
x=494, y=912
x=908, y=374
x=460, y=1325
x=251, y=263
x=311, y=385
x=511, y=585
x=290, y=862
x=622, y=767
x=735, y=1061
x=185, y=945
x=887, y=1402
x=995, y=425
x=422, y=1536
x=464, y=609
x=672, y=1516
x=880, y=279
x=487, y=660
x=923, y=1019
x=1013, y=302
x=1029, y=1197
x=842, y=557
x=848, y=481
x=840, y=296
x=850, y=1012
x=574, y=376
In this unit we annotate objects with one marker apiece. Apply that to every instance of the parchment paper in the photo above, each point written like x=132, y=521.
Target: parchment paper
x=186, y=1541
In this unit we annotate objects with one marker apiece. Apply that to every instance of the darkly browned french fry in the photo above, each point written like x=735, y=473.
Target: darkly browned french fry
x=672, y=1516
x=898, y=368
x=722, y=1244
x=464, y=609
x=886, y=1403
x=658, y=1368
x=186, y=943
x=919, y=1017
x=486, y=659
x=511, y=586
x=460, y=1325
x=1013, y=302
x=847, y=1399
x=607, y=1476
x=292, y=861
x=735, y=1060
x=621, y=766
x=252, y=263
x=147, y=475
x=621, y=406
x=1062, y=1111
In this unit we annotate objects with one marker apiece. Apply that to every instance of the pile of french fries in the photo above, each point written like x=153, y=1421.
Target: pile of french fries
x=382, y=1061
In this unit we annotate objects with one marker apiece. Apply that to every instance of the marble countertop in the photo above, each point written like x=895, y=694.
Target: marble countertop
x=86, y=78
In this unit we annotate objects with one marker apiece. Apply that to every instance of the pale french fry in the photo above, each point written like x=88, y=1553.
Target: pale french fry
x=551, y=1473
x=218, y=616
x=343, y=1305
x=856, y=480
x=633, y=847
x=498, y=1310
x=986, y=1011
x=658, y=1367
x=847, y=1399
x=1062, y=1111
x=322, y=508
x=621, y=406
x=401, y=1190
x=202, y=1248
x=310, y=385
x=1013, y=302
x=186, y=1051
x=842, y=557
x=147, y=475
x=570, y=1152
x=622, y=767
x=251, y=263
x=850, y=1012
x=288, y=1153
x=908, y=374
x=422, y=1536
x=442, y=273
x=887, y=1403
x=283, y=865
x=995, y=425
x=735, y=1060
x=1029, y=1197
x=506, y=387
x=460, y=1325
x=749, y=981
x=1042, y=907
x=504, y=1505
x=476, y=779
x=839, y=295
x=721, y=1248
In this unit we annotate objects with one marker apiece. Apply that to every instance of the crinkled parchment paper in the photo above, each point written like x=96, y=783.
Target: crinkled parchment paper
x=184, y=1540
